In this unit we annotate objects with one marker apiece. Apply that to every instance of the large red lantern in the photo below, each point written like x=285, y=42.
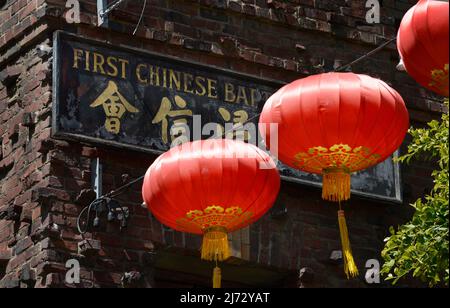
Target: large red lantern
x=334, y=124
x=423, y=44
x=211, y=187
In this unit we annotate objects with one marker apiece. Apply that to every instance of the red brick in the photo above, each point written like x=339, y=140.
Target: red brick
x=260, y=38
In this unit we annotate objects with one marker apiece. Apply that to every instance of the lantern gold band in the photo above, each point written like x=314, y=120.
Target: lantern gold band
x=336, y=170
x=317, y=159
x=214, y=216
x=216, y=229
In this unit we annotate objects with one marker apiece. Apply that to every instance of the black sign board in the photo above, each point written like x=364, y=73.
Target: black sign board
x=129, y=98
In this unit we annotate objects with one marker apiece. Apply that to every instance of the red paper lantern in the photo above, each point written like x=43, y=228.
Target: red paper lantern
x=334, y=124
x=423, y=44
x=211, y=187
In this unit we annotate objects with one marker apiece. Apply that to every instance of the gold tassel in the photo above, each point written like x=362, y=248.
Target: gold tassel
x=217, y=278
x=215, y=244
x=349, y=264
x=336, y=184
x=215, y=247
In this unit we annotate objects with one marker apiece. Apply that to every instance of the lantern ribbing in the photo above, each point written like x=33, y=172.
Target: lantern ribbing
x=334, y=124
x=225, y=188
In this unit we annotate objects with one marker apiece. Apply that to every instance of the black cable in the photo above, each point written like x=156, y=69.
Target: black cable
x=110, y=8
x=88, y=209
x=118, y=191
x=343, y=67
x=124, y=221
x=339, y=69
x=99, y=200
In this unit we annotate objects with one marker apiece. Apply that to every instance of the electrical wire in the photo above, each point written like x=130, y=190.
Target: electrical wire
x=140, y=18
x=339, y=69
x=110, y=8
x=114, y=5
x=344, y=67
x=118, y=191
x=121, y=189
x=88, y=209
x=104, y=198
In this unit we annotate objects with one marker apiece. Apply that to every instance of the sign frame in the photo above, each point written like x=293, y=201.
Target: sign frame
x=57, y=133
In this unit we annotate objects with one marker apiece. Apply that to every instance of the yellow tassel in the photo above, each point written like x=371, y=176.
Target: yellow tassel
x=217, y=278
x=336, y=184
x=215, y=244
x=349, y=264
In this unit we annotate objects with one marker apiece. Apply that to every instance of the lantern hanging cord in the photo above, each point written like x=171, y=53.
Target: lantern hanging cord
x=118, y=191
x=339, y=69
x=93, y=206
x=344, y=67
x=122, y=188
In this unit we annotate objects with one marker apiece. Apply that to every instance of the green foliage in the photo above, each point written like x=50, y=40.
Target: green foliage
x=420, y=247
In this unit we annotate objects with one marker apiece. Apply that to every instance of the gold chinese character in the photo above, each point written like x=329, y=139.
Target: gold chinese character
x=240, y=117
x=115, y=105
x=165, y=110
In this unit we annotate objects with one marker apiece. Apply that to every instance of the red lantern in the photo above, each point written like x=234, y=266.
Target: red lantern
x=423, y=44
x=334, y=124
x=211, y=187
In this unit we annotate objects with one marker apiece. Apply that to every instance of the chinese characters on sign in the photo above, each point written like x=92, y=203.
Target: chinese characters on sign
x=165, y=111
x=179, y=92
x=115, y=105
x=132, y=99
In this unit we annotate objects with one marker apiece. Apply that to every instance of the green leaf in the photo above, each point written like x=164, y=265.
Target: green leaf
x=420, y=247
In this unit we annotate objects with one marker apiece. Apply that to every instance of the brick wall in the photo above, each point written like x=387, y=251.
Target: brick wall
x=46, y=182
